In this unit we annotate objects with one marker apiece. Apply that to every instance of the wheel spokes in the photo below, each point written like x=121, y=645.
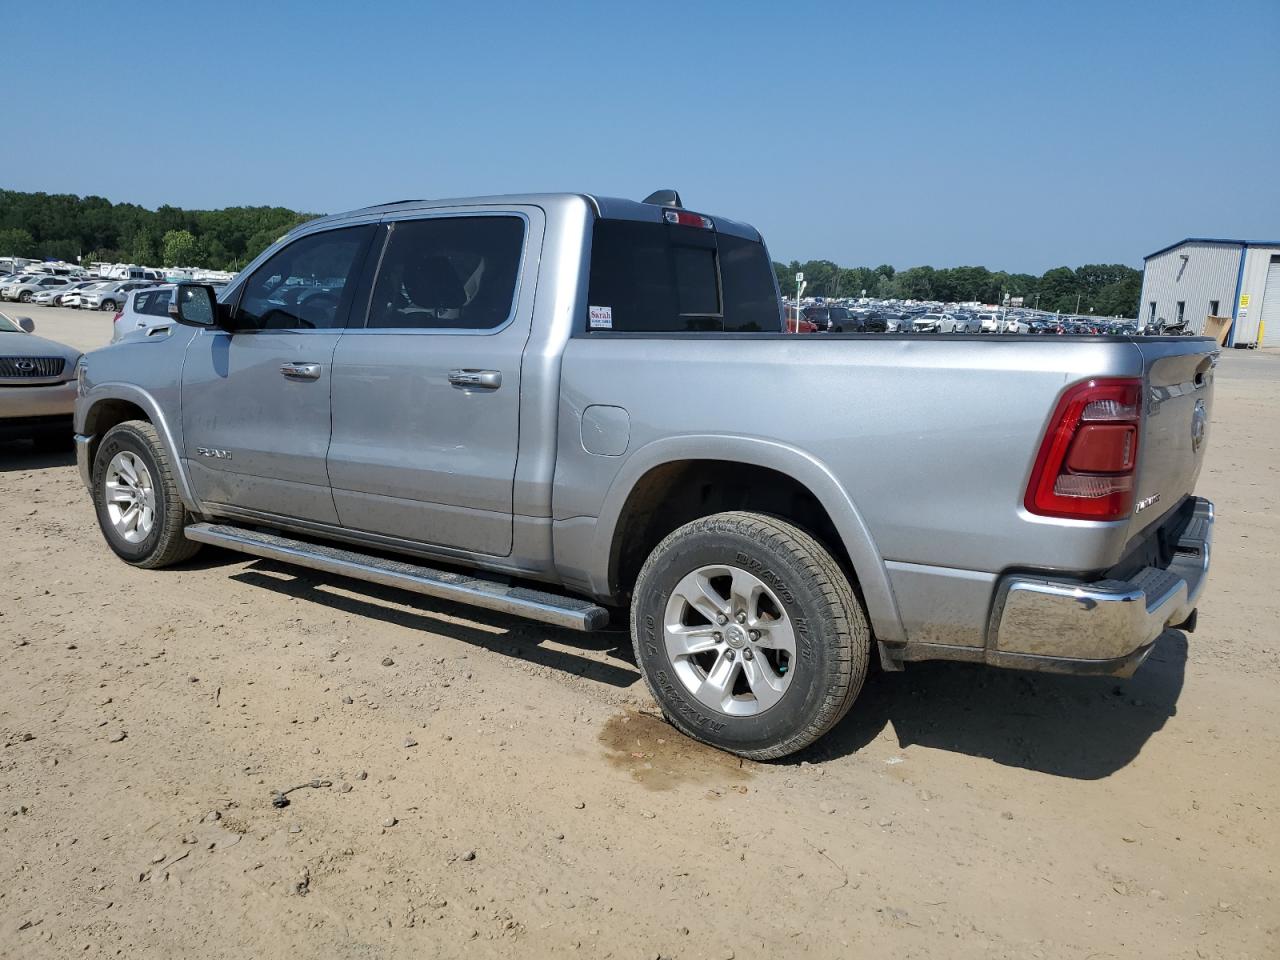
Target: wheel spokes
x=717, y=686
x=685, y=641
x=765, y=684
x=745, y=593
x=696, y=590
x=777, y=635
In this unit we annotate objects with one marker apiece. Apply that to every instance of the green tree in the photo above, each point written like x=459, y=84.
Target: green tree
x=143, y=250
x=16, y=242
x=180, y=248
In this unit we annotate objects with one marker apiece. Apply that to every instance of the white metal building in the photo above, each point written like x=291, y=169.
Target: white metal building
x=1199, y=277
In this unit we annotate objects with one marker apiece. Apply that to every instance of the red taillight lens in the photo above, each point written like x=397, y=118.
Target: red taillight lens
x=1103, y=448
x=686, y=219
x=119, y=314
x=1085, y=467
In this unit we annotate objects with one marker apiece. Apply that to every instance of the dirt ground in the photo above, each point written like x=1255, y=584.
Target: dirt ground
x=492, y=787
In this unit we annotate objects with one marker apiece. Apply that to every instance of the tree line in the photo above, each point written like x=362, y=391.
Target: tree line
x=66, y=227
x=1104, y=289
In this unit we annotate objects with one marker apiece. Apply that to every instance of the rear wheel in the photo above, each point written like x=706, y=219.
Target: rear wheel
x=749, y=634
x=107, y=305
x=136, y=499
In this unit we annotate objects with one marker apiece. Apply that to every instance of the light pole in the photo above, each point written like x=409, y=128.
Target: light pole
x=800, y=285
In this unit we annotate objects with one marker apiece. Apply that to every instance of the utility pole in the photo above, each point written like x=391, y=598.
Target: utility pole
x=1078, y=304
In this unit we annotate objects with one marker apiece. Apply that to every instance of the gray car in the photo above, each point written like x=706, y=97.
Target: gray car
x=574, y=408
x=37, y=385
x=27, y=287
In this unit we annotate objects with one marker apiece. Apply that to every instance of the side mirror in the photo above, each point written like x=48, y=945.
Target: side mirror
x=27, y=324
x=195, y=305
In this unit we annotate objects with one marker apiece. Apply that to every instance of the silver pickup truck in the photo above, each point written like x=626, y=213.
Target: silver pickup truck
x=569, y=407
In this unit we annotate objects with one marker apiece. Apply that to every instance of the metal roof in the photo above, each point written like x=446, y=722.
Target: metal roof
x=1226, y=243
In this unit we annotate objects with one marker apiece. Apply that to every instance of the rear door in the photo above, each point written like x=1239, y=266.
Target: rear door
x=255, y=403
x=426, y=389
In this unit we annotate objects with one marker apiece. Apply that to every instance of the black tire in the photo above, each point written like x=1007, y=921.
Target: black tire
x=107, y=305
x=833, y=639
x=165, y=544
x=24, y=296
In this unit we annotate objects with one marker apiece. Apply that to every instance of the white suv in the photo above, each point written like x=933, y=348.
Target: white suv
x=143, y=310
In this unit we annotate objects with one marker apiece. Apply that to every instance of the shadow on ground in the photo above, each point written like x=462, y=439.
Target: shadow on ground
x=1085, y=728
x=502, y=634
x=25, y=455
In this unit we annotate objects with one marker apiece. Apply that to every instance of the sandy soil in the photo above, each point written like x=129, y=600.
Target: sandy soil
x=497, y=788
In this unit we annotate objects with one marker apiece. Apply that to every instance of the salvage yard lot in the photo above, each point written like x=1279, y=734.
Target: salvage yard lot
x=500, y=788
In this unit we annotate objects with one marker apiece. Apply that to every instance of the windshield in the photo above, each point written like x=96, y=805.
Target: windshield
x=8, y=326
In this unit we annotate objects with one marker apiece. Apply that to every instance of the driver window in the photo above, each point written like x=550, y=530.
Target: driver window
x=302, y=286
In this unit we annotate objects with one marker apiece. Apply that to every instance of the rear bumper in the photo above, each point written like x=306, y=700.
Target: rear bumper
x=1106, y=627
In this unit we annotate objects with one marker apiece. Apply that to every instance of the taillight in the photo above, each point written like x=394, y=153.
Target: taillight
x=119, y=314
x=1086, y=464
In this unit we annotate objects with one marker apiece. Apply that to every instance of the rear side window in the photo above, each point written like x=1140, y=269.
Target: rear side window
x=448, y=273
x=668, y=278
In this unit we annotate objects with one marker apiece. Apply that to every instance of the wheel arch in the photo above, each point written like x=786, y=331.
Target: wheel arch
x=110, y=404
x=672, y=481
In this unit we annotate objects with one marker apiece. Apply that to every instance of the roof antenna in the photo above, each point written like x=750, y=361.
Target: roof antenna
x=664, y=198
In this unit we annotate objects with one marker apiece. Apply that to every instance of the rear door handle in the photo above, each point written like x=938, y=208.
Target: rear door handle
x=300, y=371
x=487, y=379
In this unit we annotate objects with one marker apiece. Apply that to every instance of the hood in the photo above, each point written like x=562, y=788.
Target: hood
x=29, y=345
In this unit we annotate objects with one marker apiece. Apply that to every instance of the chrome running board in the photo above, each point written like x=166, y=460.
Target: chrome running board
x=561, y=611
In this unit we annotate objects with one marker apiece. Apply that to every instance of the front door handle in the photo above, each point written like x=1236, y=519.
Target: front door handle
x=488, y=379
x=300, y=371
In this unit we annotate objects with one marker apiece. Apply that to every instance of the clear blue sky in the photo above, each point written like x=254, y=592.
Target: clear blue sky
x=1018, y=135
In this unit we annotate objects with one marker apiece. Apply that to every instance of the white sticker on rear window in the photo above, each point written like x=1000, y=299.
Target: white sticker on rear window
x=601, y=318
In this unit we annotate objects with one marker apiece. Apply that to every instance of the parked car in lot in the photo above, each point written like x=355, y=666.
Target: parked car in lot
x=797, y=323
x=143, y=309
x=960, y=323
x=112, y=295
x=72, y=298
x=54, y=296
x=25, y=288
x=604, y=444
x=928, y=323
x=37, y=385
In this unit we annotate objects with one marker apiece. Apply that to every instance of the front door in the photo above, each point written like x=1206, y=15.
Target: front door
x=426, y=388
x=256, y=401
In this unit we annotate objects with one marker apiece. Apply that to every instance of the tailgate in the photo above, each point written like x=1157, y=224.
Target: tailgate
x=1178, y=372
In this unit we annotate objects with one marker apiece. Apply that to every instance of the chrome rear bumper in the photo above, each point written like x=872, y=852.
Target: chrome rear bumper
x=1105, y=627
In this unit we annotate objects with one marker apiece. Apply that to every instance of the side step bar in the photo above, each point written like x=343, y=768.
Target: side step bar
x=561, y=611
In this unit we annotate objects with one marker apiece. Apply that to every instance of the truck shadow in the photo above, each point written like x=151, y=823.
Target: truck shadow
x=1085, y=728
x=23, y=455
x=499, y=633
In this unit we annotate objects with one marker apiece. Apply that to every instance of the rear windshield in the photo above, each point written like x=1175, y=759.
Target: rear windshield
x=665, y=278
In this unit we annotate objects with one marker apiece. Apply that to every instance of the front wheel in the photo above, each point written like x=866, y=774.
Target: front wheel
x=139, y=509
x=24, y=296
x=749, y=634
